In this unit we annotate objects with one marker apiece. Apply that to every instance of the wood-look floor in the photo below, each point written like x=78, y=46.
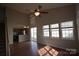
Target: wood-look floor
x=35, y=49
x=24, y=49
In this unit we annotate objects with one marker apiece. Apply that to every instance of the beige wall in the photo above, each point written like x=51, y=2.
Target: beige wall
x=56, y=15
x=14, y=20
x=77, y=19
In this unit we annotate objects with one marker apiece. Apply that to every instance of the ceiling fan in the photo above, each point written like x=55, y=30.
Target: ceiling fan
x=38, y=12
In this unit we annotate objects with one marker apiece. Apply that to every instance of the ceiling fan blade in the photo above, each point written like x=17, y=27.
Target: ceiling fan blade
x=43, y=12
x=35, y=10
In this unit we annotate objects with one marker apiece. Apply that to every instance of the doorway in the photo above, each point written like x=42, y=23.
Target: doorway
x=34, y=34
x=16, y=33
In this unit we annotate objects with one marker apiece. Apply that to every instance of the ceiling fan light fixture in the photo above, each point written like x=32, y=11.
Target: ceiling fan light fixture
x=37, y=13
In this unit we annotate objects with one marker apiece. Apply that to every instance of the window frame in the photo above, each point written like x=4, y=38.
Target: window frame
x=54, y=28
x=67, y=28
x=46, y=29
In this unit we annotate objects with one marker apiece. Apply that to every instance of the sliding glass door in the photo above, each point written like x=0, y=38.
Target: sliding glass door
x=34, y=34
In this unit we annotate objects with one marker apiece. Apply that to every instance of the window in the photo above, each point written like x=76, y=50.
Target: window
x=54, y=30
x=64, y=30
x=67, y=29
x=46, y=30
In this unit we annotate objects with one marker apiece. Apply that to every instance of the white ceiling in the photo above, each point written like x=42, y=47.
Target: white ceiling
x=29, y=7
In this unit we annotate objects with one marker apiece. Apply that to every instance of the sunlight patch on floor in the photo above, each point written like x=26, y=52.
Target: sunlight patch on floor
x=47, y=51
